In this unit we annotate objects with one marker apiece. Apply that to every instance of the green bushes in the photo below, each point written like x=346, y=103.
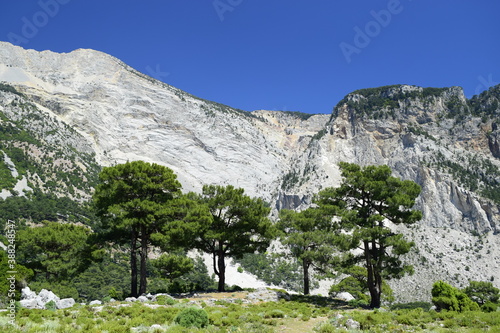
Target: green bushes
x=446, y=297
x=192, y=317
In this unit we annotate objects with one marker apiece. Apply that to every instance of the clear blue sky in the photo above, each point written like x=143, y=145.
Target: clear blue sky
x=275, y=54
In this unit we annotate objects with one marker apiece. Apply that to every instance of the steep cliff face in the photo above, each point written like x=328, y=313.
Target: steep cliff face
x=436, y=137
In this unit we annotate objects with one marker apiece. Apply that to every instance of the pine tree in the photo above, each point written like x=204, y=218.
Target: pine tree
x=366, y=200
x=239, y=225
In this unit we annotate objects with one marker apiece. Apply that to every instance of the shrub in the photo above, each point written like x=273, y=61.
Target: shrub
x=192, y=317
x=489, y=307
x=276, y=313
x=446, y=297
x=51, y=306
x=412, y=305
x=165, y=300
x=482, y=292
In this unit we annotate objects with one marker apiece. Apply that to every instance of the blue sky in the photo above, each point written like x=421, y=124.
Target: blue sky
x=275, y=54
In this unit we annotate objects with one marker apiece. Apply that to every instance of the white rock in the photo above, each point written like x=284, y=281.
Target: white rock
x=352, y=324
x=26, y=293
x=95, y=302
x=31, y=303
x=142, y=299
x=156, y=327
x=344, y=296
x=65, y=303
x=47, y=296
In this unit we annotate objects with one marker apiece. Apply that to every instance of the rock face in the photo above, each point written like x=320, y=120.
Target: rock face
x=437, y=137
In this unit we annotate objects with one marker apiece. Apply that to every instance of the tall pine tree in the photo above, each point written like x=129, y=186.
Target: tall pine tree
x=366, y=200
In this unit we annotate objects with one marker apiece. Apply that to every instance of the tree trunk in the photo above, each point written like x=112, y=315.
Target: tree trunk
x=222, y=271
x=143, y=274
x=133, y=268
x=305, y=266
x=371, y=280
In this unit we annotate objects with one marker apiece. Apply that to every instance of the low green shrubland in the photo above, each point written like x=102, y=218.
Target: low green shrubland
x=318, y=314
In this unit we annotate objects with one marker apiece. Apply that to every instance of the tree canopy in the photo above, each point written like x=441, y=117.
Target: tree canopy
x=239, y=225
x=55, y=250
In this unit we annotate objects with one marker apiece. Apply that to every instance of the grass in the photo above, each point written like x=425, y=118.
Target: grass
x=299, y=314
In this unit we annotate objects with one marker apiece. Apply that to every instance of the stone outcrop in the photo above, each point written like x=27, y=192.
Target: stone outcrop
x=30, y=300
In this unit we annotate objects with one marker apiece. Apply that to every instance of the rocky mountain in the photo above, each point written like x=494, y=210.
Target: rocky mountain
x=69, y=114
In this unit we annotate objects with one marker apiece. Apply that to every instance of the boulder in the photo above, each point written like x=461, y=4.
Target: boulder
x=47, y=296
x=130, y=299
x=65, y=303
x=26, y=293
x=143, y=299
x=351, y=324
x=31, y=303
x=345, y=296
x=156, y=328
x=96, y=302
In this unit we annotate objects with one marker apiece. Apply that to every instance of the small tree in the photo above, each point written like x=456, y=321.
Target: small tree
x=482, y=292
x=311, y=237
x=239, y=225
x=365, y=200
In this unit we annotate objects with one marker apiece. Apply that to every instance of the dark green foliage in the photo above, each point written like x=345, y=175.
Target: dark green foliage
x=311, y=237
x=486, y=104
x=51, y=306
x=107, y=277
x=134, y=201
x=171, y=266
x=180, y=274
x=38, y=207
x=195, y=280
x=55, y=251
x=239, y=225
x=8, y=88
x=7, y=181
x=365, y=199
x=299, y=115
x=290, y=179
x=22, y=277
x=62, y=288
x=192, y=317
x=482, y=292
x=446, y=297
x=275, y=269
x=356, y=285
x=321, y=133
